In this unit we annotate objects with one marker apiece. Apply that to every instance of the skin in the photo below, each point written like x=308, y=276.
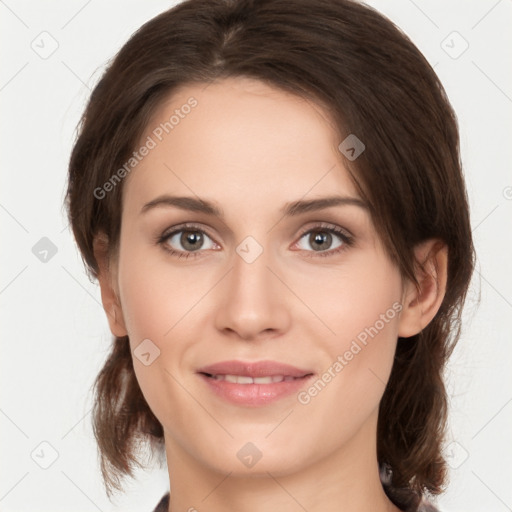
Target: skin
x=250, y=149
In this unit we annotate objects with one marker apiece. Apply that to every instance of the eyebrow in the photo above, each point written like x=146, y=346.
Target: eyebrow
x=196, y=204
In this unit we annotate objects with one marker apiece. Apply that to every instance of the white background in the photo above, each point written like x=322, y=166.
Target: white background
x=54, y=333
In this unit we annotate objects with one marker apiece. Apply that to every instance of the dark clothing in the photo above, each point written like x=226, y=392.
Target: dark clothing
x=164, y=505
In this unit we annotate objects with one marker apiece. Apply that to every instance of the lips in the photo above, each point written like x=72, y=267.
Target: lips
x=253, y=384
x=243, y=379
x=256, y=370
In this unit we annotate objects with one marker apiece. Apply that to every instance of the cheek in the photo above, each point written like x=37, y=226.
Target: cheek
x=153, y=296
x=354, y=300
x=160, y=304
x=144, y=306
x=362, y=307
x=152, y=303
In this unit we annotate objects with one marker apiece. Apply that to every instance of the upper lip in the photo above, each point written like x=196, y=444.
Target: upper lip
x=256, y=369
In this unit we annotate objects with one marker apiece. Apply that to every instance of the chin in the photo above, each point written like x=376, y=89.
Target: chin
x=256, y=457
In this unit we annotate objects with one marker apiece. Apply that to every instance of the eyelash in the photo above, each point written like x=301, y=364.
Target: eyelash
x=347, y=240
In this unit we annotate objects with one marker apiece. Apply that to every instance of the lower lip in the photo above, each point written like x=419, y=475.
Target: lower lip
x=254, y=395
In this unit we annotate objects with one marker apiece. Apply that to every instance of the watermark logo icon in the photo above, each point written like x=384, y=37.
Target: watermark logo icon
x=454, y=45
x=45, y=45
x=44, y=250
x=44, y=455
x=351, y=147
x=249, y=454
x=455, y=454
x=249, y=249
x=146, y=352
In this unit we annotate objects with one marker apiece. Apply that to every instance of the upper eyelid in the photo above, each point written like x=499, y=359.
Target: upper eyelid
x=184, y=227
x=326, y=226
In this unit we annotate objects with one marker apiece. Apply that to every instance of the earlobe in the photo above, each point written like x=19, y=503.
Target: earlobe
x=107, y=280
x=422, y=302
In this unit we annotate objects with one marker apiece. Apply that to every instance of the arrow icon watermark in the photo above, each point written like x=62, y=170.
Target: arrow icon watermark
x=351, y=147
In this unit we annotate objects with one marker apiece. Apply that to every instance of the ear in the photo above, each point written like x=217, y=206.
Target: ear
x=422, y=302
x=107, y=279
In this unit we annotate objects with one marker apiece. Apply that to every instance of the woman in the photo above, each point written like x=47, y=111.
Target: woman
x=270, y=195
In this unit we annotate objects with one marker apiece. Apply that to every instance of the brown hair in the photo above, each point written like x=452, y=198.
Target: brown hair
x=374, y=83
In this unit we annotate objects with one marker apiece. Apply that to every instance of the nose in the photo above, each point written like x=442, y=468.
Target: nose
x=251, y=302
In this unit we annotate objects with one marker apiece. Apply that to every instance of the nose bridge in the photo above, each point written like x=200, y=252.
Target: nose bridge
x=250, y=274
x=252, y=300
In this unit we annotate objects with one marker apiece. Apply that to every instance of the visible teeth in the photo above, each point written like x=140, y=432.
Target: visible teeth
x=243, y=379
x=262, y=380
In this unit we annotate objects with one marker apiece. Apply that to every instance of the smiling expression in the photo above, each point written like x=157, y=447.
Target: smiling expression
x=243, y=238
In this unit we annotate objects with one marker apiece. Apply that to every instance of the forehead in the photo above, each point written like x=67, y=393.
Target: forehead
x=239, y=139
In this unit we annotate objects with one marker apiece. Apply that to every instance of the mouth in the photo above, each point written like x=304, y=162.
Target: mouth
x=258, y=369
x=253, y=384
x=244, y=379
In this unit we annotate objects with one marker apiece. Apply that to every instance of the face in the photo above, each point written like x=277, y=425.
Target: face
x=252, y=269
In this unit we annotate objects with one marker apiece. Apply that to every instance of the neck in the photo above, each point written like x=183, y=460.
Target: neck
x=347, y=480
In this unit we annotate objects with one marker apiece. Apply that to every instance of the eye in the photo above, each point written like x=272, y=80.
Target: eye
x=186, y=240
x=325, y=240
